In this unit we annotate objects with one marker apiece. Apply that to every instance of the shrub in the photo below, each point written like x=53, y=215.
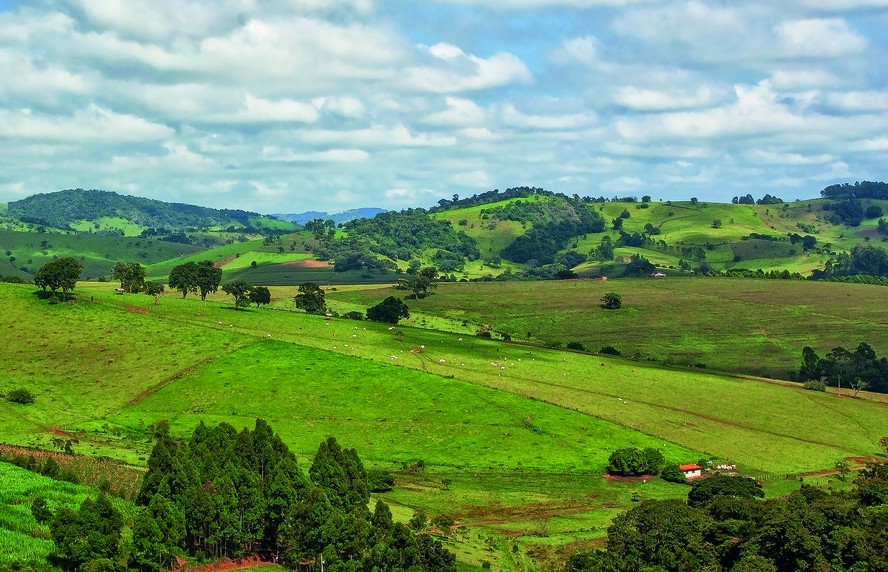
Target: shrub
x=576, y=346
x=609, y=351
x=379, y=481
x=815, y=385
x=353, y=315
x=673, y=474
x=20, y=395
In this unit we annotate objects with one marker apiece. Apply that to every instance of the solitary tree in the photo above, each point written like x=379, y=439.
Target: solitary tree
x=131, y=276
x=311, y=298
x=612, y=301
x=208, y=278
x=240, y=289
x=260, y=295
x=388, y=311
x=61, y=274
x=422, y=280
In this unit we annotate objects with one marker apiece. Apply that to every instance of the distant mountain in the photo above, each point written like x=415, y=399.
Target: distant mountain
x=95, y=210
x=344, y=216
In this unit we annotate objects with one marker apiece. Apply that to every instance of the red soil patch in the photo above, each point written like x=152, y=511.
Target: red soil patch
x=225, y=565
x=137, y=310
x=619, y=479
x=224, y=261
x=308, y=264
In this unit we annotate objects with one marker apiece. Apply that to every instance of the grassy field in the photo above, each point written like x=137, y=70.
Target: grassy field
x=514, y=437
x=22, y=539
x=98, y=254
x=735, y=325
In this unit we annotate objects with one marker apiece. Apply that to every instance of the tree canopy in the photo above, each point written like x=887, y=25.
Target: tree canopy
x=389, y=311
x=61, y=274
x=310, y=298
x=131, y=276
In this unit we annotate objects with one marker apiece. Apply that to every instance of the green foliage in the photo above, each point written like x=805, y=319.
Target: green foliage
x=612, y=301
x=201, y=277
x=61, y=274
x=421, y=281
x=20, y=395
x=738, y=486
x=310, y=298
x=260, y=295
x=131, y=276
x=670, y=472
x=858, y=369
x=64, y=208
x=633, y=462
x=389, y=311
x=241, y=291
x=154, y=288
x=91, y=533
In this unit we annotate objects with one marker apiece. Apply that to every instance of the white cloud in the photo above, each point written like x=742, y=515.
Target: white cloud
x=452, y=71
x=328, y=156
x=819, y=37
x=657, y=100
x=93, y=124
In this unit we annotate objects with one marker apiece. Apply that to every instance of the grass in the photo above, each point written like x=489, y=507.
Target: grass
x=22, y=539
x=467, y=407
x=741, y=326
x=98, y=254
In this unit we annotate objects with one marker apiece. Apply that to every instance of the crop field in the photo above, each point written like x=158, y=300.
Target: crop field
x=514, y=437
x=735, y=325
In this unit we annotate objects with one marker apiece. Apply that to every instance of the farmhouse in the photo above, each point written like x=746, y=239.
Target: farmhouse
x=691, y=471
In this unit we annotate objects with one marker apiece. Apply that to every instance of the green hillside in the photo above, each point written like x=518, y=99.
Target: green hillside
x=108, y=212
x=511, y=436
x=729, y=324
x=23, y=253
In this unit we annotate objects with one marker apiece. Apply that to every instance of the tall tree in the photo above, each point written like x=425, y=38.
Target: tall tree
x=310, y=298
x=241, y=290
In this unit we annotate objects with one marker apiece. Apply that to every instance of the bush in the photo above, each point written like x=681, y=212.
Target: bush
x=20, y=395
x=576, y=346
x=353, y=315
x=673, y=474
x=379, y=481
x=815, y=386
x=609, y=351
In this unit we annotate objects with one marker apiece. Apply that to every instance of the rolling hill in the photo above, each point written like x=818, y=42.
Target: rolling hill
x=105, y=211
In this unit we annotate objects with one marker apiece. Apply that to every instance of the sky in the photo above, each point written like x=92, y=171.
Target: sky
x=296, y=105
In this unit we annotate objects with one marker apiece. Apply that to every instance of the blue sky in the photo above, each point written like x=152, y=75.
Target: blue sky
x=294, y=105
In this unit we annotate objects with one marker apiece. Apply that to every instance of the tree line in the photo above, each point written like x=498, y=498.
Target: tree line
x=225, y=493
x=859, y=190
x=856, y=369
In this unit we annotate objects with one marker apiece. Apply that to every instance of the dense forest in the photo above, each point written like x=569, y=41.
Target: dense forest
x=60, y=209
x=724, y=526
x=858, y=369
x=224, y=494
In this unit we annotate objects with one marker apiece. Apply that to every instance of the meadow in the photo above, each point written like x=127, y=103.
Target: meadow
x=513, y=438
x=741, y=326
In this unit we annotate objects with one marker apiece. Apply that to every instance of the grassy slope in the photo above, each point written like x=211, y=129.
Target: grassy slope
x=97, y=253
x=685, y=224
x=744, y=326
x=185, y=360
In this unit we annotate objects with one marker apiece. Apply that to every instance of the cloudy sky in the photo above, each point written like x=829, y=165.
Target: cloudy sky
x=294, y=105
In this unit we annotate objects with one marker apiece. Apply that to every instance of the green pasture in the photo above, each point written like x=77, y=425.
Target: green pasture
x=98, y=254
x=735, y=325
x=128, y=227
x=709, y=413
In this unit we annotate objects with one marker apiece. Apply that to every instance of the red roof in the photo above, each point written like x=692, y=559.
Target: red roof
x=690, y=467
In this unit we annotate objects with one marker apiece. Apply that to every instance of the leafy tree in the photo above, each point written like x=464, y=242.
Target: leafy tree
x=131, y=276
x=612, y=301
x=91, y=533
x=153, y=288
x=207, y=278
x=61, y=274
x=422, y=280
x=40, y=510
x=632, y=462
x=311, y=298
x=673, y=474
x=241, y=290
x=717, y=223
x=260, y=295
x=184, y=278
x=389, y=311
x=703, y=492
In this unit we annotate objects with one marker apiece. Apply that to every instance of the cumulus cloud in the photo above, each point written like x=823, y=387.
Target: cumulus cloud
x=330, y=104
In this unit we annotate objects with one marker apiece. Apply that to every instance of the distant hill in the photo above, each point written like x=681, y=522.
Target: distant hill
x=109, y=212
x=344, y=216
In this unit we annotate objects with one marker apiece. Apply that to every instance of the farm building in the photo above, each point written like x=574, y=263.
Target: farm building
x=691, y=471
